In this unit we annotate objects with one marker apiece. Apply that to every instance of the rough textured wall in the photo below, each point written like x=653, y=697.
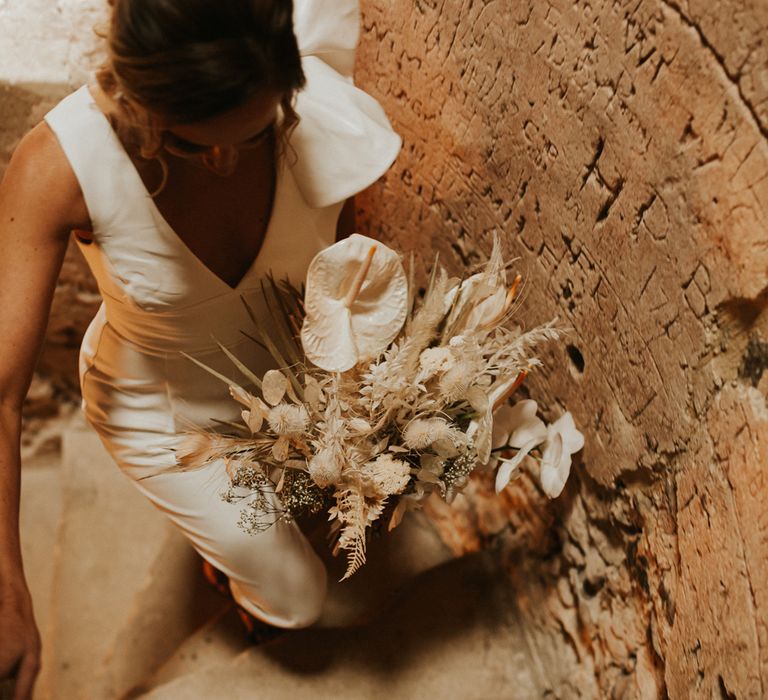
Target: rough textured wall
x=622, y=148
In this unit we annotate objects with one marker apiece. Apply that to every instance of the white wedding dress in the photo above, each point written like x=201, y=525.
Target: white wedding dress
x=138, y=391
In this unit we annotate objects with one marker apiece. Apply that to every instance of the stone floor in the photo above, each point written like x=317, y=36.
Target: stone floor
x=125, y=612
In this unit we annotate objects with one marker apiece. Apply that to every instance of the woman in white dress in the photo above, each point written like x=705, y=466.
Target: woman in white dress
x=220, y=141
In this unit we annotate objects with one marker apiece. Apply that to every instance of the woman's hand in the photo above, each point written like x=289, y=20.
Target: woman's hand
x=19, y=640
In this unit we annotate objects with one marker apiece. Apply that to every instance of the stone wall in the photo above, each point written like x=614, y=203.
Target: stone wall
x=621, y=148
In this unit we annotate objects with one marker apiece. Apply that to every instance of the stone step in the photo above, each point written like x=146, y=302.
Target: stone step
x=220, y=640
x=175, y=602
x=450, y=636
x=109, y=539
x=393, y=561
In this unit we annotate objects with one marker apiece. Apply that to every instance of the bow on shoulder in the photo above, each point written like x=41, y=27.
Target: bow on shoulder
x=344, y=141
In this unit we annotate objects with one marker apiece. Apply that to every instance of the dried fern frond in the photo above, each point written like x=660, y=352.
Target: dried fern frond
x=351, y=511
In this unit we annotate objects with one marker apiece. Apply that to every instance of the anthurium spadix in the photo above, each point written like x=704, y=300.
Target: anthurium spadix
x=356, y=302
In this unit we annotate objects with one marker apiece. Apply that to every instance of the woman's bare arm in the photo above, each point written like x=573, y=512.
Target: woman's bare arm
x=40, y=203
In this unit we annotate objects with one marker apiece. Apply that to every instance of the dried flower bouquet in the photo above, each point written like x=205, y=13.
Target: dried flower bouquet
x=381, y=398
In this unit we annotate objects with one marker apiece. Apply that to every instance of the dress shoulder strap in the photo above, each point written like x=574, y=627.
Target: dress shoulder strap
x=98, y=161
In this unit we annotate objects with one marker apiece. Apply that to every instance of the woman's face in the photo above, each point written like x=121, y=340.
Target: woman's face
x=222, y=136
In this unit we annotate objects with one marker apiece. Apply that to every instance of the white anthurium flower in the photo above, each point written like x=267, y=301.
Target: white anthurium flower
x=563, y=440
x=273, y=386
x=356, y=302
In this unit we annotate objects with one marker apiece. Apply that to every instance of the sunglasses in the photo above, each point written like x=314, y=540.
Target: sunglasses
x=179, y=146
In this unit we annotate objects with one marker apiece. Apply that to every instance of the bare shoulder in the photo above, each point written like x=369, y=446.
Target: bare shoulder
x=39, y=177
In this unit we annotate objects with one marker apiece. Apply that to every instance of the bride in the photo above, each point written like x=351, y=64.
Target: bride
x=220, y=141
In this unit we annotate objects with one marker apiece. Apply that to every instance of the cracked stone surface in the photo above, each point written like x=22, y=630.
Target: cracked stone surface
x=621, y=148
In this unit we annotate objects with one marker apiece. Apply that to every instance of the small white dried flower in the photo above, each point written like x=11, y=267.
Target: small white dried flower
x=455, y=383
x=386, y=475
x=422, y=432
x=285, y=419
x=325, y=467
x=434, y=360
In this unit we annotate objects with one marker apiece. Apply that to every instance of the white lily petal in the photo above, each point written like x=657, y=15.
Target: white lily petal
x=508, y=466
x=488, y=309
x=554, y=470
x=533, y=430
x=573, y=440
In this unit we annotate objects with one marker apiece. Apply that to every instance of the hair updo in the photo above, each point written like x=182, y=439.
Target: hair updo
x=182, y=61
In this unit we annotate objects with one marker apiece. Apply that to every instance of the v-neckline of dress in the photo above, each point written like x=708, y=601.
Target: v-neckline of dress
x=178, y=240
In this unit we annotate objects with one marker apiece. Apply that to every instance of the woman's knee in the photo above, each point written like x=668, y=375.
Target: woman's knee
x=286, y=577
x=292, y=595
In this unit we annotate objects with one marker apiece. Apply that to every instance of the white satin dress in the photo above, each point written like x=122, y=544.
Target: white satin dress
x=138, y=391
